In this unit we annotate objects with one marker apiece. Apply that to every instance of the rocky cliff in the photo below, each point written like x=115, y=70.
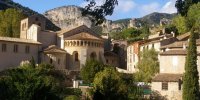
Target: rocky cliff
x=71, y=16
x=67, y=17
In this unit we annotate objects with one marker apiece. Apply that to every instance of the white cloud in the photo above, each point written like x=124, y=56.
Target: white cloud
x=149, y=8
x=169, y=7
x=125, y=5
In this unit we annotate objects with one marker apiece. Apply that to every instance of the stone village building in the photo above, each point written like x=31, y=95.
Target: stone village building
x=172, y=53
x=135, y=48
x=67, y=49
x=168, y=83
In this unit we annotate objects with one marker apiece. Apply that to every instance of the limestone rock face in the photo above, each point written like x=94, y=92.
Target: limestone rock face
x=68, y=17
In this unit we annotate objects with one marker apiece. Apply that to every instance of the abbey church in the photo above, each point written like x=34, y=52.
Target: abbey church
x=66, y=49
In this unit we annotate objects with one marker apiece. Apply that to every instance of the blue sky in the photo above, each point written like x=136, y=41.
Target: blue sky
x=125, y=8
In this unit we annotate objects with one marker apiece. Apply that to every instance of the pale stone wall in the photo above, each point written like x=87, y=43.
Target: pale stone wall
x=173, y=92
x=172, y=64
x=58, y=60
x=132, y=59
x=47, y=38
x=24, y=28
x=32, y=32
x=112, y=60
x=155, y=45
x=84, y=53
x=10, y=59
x=28, y=22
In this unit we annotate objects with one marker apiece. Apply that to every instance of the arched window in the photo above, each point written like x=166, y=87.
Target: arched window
x=74, y=43
x=51, y=61
x=93, y=55
x=75, y=54
x=85, y=43
x=92, y=44
x=78, y=43
x=88, y=43
x=39, y=24
x=70, y=43
x=81, y=43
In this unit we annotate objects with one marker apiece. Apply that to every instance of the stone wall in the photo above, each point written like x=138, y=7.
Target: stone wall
x=173, y=92
x=9, y=58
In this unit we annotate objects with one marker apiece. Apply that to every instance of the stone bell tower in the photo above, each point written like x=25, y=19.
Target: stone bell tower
x=27, y=22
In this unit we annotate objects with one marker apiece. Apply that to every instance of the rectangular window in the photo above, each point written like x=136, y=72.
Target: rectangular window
x=164, y=86
x=58, y=61
x=27, y=49
x=152, y=46
x=179, y=84
x=15, y=48
x=3, y=48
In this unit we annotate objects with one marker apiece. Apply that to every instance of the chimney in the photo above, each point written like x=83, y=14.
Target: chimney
x=173, y=34
x=163, y=30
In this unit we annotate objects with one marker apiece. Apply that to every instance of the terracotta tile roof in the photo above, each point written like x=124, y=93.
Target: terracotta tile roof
x=166, y=77
x=54, y=49
x=174, y=52
x=82, y=36
x=157, y=39
x=77, y=30
x=19, y=40
x=179, y=44
x=110, y=53
x=183, y=36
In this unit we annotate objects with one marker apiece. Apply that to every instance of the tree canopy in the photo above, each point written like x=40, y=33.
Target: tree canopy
x=99, y=12
x=193, y=17
x=180, y=23
x=184, y=5
x=108, y=85
x=26, y=82
x=148, y=66
x=89, y=70
x=10, y=22
x=132, y=34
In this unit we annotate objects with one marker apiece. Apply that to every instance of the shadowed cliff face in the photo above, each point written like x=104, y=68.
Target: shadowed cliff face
x=67, y=17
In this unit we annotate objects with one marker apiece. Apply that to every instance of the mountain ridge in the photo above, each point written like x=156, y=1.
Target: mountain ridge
x=69, y=16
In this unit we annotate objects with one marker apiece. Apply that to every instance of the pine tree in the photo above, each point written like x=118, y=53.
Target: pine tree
x=191, y=77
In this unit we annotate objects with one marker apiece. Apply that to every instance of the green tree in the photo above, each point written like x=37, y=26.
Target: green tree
x=184, y=5
x=148, y=66
x=29, y=83
x=145, y=31
x=193, y=17
x=89, y=70
x=10, y=22
x=171, y=28
x=99, y=12
x=108, y=85
x=180, y=23
x=191, y=75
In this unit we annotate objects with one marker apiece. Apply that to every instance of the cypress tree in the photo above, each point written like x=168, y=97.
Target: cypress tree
x=191, y=77
x=32, y=62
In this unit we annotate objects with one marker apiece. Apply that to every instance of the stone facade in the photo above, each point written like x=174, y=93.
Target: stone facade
x=172, y=62
x=67, y=49
x=154, y=42
x=14, y=50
